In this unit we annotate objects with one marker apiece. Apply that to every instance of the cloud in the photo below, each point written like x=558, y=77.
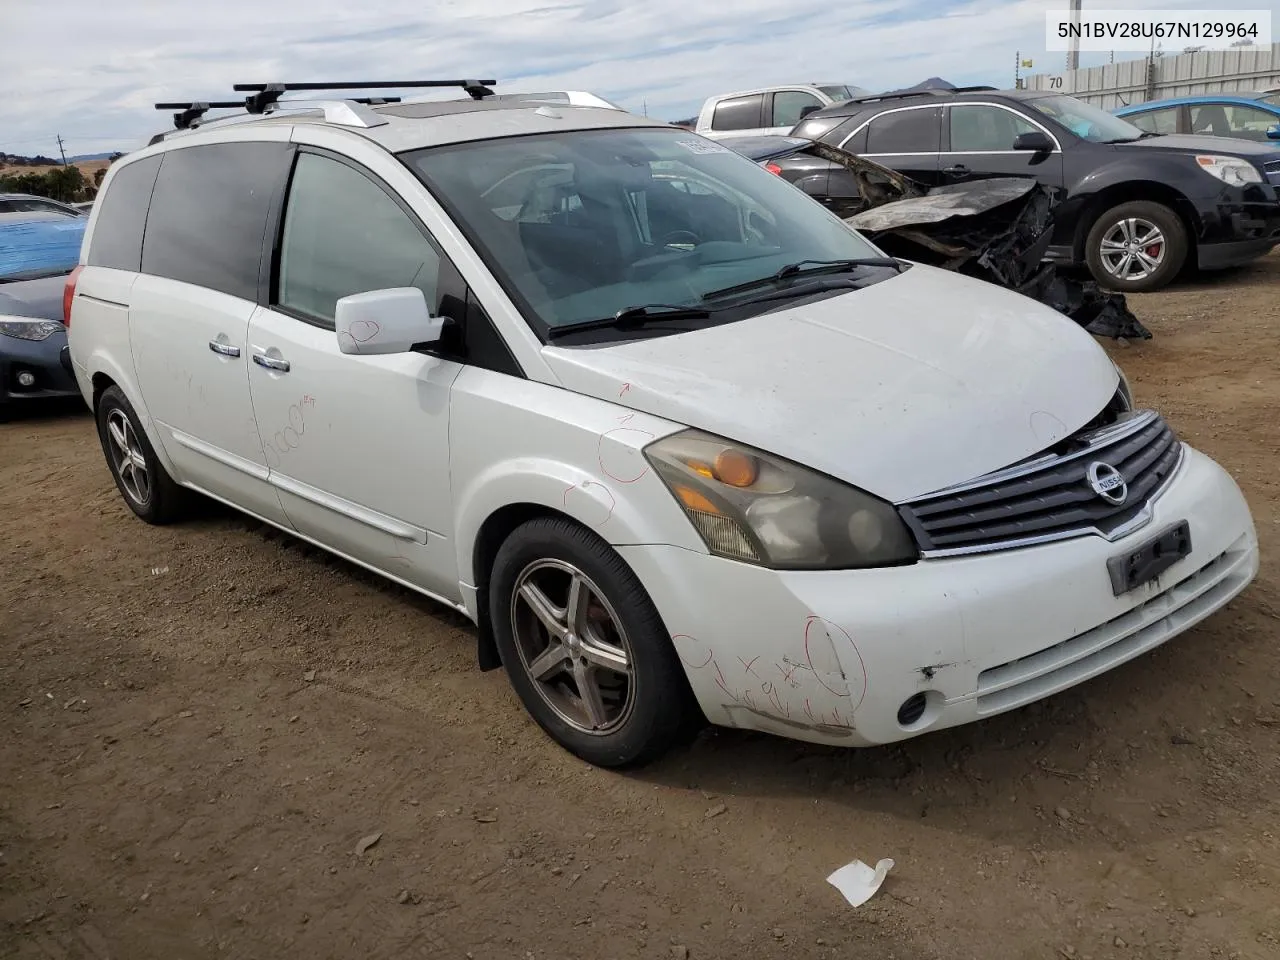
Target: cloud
x=93, y=72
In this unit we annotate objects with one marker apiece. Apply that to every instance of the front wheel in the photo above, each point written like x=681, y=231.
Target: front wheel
x=1136, y=247
x=584, y=646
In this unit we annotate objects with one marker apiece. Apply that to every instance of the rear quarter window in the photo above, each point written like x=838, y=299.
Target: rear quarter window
x=122, y=215
x=209, y=212
x=739, y=113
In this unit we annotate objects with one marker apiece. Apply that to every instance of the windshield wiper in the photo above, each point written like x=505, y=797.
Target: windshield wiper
x=805, y=268
x=629, y=317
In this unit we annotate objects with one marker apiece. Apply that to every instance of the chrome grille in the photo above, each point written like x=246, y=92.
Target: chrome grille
x=1272, y=170
x=1050, y=497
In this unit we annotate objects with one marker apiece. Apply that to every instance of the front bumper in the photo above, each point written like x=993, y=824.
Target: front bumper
x=831, y=657
x=1239, y=225
x=48, y=361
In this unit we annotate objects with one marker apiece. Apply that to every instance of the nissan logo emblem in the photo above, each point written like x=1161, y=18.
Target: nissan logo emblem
x=1108, y=483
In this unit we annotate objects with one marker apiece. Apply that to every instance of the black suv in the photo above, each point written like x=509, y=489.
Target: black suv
x=1136, y=206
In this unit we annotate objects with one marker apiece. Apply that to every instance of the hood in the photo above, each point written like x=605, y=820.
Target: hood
x=41, y=299
x=1191, y=143
x=912, y=384
x=762, y=149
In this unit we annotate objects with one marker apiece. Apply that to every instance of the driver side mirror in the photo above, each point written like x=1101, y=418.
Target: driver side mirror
x=811, y=108
x=1274, y=132
x=385, y=321
x=1033, y=140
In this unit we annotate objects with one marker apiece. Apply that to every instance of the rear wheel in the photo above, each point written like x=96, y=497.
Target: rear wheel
x=1137, y=246
x=143, y=482
x=584, y=646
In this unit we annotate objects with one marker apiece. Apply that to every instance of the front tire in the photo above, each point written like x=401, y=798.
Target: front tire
x=1137, y=247
x=585, y=648
x=142, y=480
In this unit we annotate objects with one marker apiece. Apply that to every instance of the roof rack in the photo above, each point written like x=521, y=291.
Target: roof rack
x=907, y=94
x=191, y=112
x=262, y=95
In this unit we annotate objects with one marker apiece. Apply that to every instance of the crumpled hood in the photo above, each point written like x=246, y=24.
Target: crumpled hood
x=915, y=383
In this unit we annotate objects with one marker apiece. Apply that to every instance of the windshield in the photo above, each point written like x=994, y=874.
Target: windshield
x=1085, y=120
x=34, y=245
x=578, y=226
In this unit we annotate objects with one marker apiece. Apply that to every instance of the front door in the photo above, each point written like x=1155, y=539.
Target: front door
x=357, y=446
x=189, y=314
x=980, y=145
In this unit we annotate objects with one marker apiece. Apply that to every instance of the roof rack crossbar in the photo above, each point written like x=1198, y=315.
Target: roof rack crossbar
x=264, y=94
x=191, y=112
x=907, y=94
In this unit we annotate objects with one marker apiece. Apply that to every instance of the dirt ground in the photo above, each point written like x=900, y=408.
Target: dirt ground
x=199, y=724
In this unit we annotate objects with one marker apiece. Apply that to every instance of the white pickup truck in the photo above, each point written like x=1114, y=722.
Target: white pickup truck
x=769, y=110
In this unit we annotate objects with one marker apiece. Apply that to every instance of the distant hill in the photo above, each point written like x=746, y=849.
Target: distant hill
x=40, y=160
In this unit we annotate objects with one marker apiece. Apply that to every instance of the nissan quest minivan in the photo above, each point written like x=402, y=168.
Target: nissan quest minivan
x=682, y=445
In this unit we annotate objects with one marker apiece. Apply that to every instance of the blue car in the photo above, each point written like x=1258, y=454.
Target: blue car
x=38, y=249
x=1243, y=116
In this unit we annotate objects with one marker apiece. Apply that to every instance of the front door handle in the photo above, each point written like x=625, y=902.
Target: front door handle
x=226, y=349
x=959, y=170
x=271, y=363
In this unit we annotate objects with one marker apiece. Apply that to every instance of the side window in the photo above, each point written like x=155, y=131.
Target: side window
x=209, y=214
x=738, y=113
x=787, y=105
x=344, y=234
x=122, y=214
x=1163, y=121
x=982, y=129
x=1250, y=123
x=906, y=131
x=1231, y=120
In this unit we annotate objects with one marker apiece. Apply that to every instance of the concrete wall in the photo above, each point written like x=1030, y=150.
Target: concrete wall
x=1182, y=75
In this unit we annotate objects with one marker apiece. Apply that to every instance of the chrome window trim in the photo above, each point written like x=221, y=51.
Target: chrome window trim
x=1057, y=144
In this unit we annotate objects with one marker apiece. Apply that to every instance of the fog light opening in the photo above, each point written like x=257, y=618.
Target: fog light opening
x=912, y=709
x=26, y=378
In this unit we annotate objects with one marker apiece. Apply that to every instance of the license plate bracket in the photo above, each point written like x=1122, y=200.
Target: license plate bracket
x=1132, y=570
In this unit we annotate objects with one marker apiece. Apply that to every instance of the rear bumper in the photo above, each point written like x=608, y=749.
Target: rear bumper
x=48, y=362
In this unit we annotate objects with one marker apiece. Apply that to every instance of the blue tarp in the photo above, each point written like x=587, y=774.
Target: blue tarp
x=40, y=246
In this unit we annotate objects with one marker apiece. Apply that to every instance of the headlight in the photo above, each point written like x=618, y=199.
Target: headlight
x=747, y=505
x=25, y=329
x=1230, y=170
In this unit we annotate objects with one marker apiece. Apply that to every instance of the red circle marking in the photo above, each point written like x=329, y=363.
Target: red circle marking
x=808, y=624
x=691, y=666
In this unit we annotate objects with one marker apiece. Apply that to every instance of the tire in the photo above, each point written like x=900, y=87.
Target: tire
x=1141, y=216
x=159, y=500
x=637, y=719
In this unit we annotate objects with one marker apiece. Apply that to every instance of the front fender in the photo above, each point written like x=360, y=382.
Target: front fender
x=522, y=443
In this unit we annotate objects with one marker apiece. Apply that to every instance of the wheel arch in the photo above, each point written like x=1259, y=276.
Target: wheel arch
x=508, y=495
x=1126, y=191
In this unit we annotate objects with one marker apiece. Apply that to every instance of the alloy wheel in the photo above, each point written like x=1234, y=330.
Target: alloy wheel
x=573, y=646
x=1133, y=249
x=127, y=457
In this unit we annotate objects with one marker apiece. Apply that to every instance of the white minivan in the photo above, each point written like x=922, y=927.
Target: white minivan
x=682, y=445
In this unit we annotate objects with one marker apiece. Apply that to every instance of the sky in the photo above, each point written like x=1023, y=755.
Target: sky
x=92, y=71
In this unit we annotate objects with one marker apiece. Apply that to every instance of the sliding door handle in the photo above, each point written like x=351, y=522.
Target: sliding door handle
x=271, y=363
x=226, y=349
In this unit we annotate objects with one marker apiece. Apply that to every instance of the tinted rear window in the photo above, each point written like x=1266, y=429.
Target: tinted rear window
x=738, y=113
x=906, y=131
x=122, y=214
x=209, y=214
